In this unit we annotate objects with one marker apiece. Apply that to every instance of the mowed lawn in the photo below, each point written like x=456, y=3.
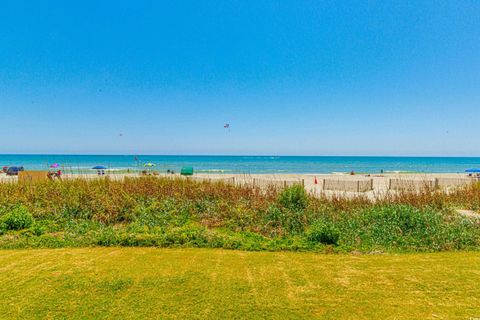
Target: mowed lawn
x=140, y=283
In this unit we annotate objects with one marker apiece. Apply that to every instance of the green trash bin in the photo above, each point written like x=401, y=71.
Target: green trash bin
x=187, y=171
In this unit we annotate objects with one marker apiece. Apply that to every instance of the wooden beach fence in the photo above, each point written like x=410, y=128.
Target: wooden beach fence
x=32, y=176
x=229, y=180
x=428, y=184
x=265, y=183
x=256, y=182
x=348, y=185
x=454, y=182
x=412, y=184
x=8, y=179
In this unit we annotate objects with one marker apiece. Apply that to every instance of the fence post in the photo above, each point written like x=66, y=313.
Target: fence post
x=303, y=183
x=358, y=185
x=284, y=183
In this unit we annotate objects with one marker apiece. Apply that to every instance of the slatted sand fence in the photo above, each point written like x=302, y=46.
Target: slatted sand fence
x=418, y=184
x=32, y=176
x=229, y=180
x=455, y=182
x=347, y=185
x=262, y=183
x=8, y=179
x=274, y=182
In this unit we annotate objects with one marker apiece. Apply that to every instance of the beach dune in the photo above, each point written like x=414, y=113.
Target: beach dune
x=325, y=184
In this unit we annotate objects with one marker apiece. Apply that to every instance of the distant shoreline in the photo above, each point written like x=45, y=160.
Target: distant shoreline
x=246, y=164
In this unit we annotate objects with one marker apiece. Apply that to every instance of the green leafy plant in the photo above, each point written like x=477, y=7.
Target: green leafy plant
x=293, y=198
x=17, y=218
x=323, y=231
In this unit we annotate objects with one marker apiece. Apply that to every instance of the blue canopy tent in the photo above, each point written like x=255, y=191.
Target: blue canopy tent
x=473, y=170
x=100, y=170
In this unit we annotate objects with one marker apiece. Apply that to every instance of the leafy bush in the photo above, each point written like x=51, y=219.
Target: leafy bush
x=281, y=221
x=409, y=228
x=37, y=229
x=17, y=218
x=323, y=231
x=168, y=212
x=294, y=198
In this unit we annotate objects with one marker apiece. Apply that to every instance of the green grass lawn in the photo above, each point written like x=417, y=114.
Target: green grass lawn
x=139, y=283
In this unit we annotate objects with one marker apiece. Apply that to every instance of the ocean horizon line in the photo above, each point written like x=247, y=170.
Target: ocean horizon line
x=237, y=155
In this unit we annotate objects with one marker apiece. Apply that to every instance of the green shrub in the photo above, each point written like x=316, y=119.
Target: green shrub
x=162, y=214
x=408, y=228
x=323, y=231
x=294, y=198
x=37, y=229
x=17, y=218
x=283, y=222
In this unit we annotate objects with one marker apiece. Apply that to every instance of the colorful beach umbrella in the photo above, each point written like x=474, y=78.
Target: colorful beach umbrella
x=149, y=165
x=99, y=168
x=55, y=165
x=473, y=170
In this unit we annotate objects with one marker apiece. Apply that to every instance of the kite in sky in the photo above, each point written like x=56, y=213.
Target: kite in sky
x=227, y=125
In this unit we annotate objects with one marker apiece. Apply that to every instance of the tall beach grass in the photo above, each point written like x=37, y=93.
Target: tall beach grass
x=153, y=211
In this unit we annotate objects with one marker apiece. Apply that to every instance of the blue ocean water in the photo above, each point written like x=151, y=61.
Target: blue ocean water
x=246, y=164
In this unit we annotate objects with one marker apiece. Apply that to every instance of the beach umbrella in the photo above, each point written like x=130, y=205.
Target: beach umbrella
x=473, y=170
x=55, y=165
x=149, y=165
x=100, y=169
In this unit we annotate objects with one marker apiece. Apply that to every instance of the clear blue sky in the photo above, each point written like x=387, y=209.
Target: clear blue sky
x=291, y=77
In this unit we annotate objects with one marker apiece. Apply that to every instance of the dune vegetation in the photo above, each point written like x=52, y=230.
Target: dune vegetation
x=164, y=212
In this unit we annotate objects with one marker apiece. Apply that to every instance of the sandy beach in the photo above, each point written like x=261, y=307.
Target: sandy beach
x=343, y=183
